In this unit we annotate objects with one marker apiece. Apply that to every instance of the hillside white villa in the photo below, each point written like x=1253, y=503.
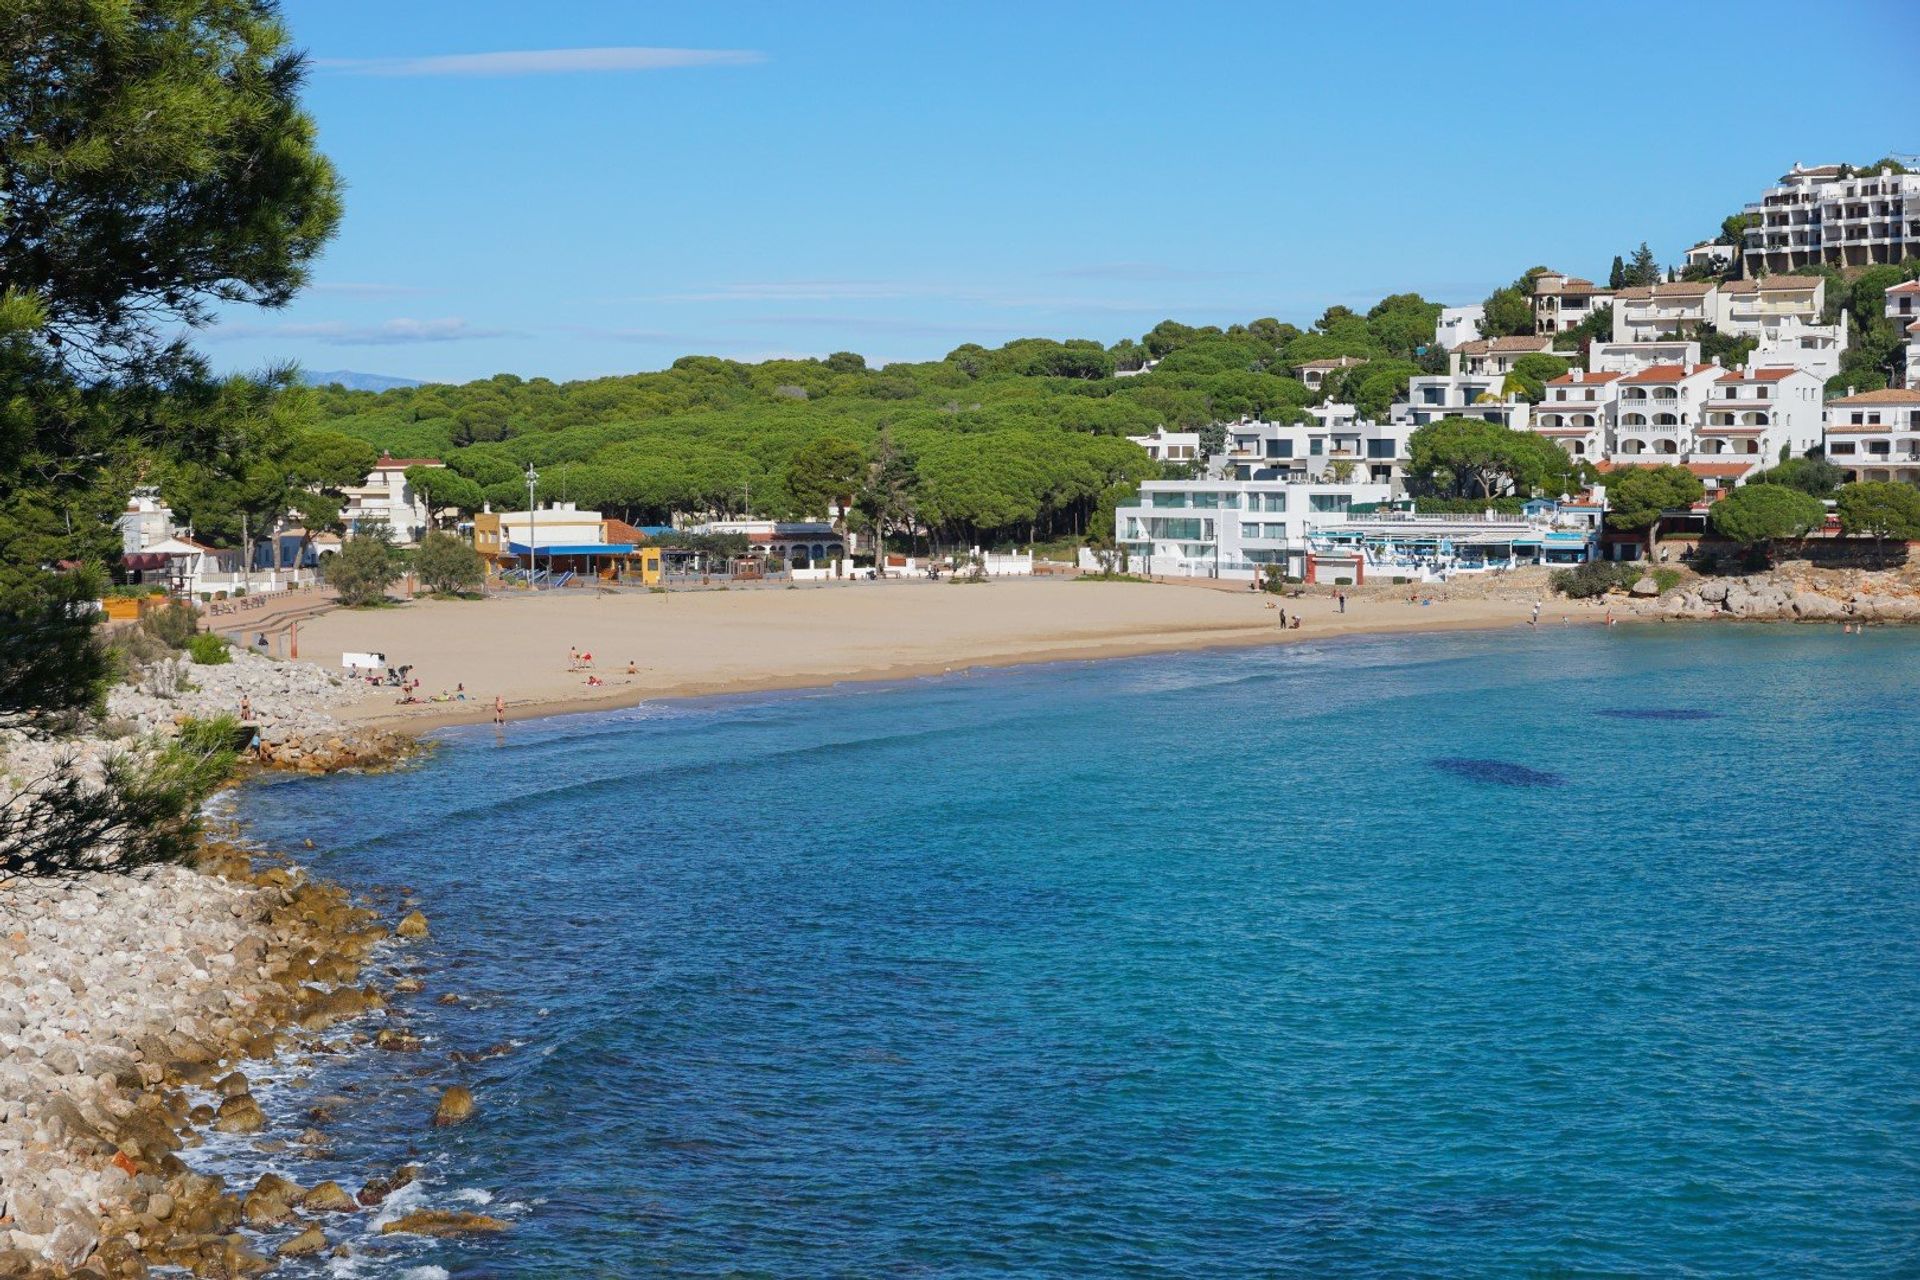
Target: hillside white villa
x=1903, y=308
x=1457, y=325
x=1315, y=372
x=386, y=498
x=1875, y=435
x=1578, y=413
x=1336, y=444
x=1632, y=357
x=1495, y=357
x=1460, y=394
x=1563, y=301
x=1646, y=313
x=1764, y=307
x=1170, y=446
x=1825, y=214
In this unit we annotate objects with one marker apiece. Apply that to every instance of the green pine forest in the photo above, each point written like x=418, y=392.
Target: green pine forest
x=1018, y=443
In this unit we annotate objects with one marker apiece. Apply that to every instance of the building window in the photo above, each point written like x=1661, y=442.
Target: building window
x=1328, y=502
x=1168, y=500
x=1380, y=448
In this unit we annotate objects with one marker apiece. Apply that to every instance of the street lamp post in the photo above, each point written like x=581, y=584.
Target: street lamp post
x=532, y=563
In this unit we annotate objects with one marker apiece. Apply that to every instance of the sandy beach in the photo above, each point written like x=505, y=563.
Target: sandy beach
x=691, y=643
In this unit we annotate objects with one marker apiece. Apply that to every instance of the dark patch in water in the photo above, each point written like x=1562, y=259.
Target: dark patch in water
x=1498, y=771
x=1659, y=713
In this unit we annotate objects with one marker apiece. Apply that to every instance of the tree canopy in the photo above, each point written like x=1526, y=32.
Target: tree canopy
x=1638, y=496
x=1472, y=458
x=1759, y=514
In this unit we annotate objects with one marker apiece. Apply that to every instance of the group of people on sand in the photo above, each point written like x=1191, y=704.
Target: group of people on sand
x=579, y=659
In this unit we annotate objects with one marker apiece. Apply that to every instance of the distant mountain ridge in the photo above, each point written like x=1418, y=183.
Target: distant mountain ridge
x=354, y=381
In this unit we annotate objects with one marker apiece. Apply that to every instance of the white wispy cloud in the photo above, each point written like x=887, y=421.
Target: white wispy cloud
x=540, y=62
x=401, y=331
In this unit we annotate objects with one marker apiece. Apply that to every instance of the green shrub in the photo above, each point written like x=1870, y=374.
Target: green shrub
x=205, y=735
x=208, y=649
x=449, y=565
x=1596, y=578
x=174, y=625
x=1666, y=579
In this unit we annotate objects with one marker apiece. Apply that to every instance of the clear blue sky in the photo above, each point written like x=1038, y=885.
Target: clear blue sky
x=898, y=178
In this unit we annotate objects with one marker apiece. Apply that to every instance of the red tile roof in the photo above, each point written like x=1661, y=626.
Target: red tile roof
x=1587, y=380
x=1909, y=286
x=1771, y=284
x=1503, y=346
x=1890, y=395
x=1772, y=373
x=1666, y=373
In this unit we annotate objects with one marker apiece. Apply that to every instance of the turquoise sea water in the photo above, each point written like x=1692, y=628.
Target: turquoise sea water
x=1251, y=962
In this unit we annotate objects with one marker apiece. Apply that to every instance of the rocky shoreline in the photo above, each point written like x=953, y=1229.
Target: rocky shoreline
x=1798, y=594
x=133, y=1007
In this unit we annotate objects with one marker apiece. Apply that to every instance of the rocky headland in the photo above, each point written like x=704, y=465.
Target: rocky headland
x=1795, y=593
x=133, y=1006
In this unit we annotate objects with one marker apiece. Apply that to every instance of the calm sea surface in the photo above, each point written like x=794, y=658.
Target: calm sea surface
x=1255, y=962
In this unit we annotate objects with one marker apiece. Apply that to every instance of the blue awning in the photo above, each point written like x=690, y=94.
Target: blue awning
x=574, y=549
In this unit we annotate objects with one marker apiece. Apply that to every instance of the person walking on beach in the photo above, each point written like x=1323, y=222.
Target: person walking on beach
x=1534, y=621
x=1340, y=599
x=1283, y=619
x=499, y=709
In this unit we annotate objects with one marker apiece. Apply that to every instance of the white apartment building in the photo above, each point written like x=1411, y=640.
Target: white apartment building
x=1336, y=443
x=386, y=498
x=1457, y=325
x=1760, y=412
x=1578, y=412
x=1825, y=214
x=1659, y=411
x=1903, y=308
x=1561, y=301
x=1315, y=372
x=1817, y=348
x=1645, y=313
x=1497, y=356
x=1233, y=528
x=1632, y=357
x=1876, y=435
x=1713, y=255
x=1460, y=394
x=1170, y=446
x=1762, y=308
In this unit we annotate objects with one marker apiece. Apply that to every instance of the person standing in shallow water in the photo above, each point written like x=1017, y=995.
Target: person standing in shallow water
x=499, y=708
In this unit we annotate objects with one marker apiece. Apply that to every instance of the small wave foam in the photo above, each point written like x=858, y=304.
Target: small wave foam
x=473, y=1195
x=428, y=1272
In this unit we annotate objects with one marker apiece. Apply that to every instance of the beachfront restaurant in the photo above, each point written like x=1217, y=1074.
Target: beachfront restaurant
x=562, y=563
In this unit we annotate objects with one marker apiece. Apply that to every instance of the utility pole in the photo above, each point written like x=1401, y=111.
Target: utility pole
x=532, y=547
